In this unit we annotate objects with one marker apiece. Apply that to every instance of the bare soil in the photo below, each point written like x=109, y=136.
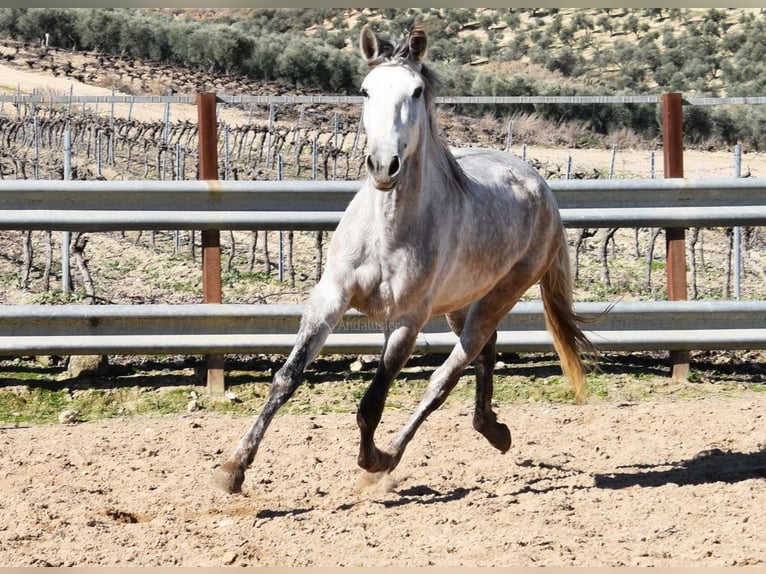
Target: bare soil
x=669, y=482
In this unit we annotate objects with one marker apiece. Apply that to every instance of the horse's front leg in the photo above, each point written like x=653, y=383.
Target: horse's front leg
x=397, y=348
x=323, y=310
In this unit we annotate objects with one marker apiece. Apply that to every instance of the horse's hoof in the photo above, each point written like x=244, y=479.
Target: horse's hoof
x=228, y=478
x=498, y=436
x=376, y=461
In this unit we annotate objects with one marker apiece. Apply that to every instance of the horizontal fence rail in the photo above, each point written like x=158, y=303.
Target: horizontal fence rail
x=318, y=205
x=224, y=329
x=327, y=99
x=229, y=328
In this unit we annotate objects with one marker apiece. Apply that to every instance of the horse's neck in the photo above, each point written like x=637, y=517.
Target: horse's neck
x=421, y=191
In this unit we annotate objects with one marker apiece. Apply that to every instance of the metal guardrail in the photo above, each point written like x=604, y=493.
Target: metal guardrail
x=314, y=205
x=329, y=99
x=224, y=329
x=227, y=329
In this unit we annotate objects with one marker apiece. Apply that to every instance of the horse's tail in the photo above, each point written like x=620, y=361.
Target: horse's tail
x=563, y=323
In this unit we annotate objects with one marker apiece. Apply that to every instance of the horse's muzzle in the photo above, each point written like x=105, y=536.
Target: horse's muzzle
x=385, y=176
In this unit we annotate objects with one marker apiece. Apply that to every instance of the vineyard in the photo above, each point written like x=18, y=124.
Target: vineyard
x=307, y=141
x=284, y=142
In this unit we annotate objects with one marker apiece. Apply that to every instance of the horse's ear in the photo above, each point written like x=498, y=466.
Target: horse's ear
x=368, y=43
x=373, y=47
x=418, y=43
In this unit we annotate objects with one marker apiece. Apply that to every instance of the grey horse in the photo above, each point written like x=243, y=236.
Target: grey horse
x=430, y=232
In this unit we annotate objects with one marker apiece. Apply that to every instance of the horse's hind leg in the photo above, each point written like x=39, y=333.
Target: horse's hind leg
x=474, y=337
x=484, y=418
x=442, y=382
x=477, y=337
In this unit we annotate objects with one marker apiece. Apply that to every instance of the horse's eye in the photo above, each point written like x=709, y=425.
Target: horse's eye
x=364, y=93
x=417, y=93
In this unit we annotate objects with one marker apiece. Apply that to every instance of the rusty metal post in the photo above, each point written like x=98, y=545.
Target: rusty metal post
x=675, y=238
x=211, y=239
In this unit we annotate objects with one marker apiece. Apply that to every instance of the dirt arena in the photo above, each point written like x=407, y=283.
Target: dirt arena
x=665, y=482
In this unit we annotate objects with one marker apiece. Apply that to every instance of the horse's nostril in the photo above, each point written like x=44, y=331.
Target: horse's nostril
x=370, y=164
x=393, y=169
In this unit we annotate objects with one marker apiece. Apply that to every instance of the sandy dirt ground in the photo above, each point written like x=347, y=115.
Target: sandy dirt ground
x=669, y=482
x=13, y=80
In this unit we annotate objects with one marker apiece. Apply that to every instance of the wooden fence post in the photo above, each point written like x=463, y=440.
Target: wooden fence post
x=675, y=238
x=211, y=238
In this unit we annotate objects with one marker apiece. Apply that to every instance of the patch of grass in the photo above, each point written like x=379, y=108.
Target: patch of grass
x=57, y=298
x=115, y=269
x=589, y=141
x=11, y=279
x=233, y=275
x=94, y=404
x=31, y=393
x=529, y=389
x=32, y=405
x=162, y=401
x=40, y=405
x=179, y=286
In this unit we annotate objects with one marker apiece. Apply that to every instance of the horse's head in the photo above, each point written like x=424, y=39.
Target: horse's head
x=395, y=108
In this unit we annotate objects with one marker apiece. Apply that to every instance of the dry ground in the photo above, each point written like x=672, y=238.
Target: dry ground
x=668, y=482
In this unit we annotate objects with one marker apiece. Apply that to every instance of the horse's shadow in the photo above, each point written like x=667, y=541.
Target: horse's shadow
x=707, y=467
x=425, y=495
x=419, y=494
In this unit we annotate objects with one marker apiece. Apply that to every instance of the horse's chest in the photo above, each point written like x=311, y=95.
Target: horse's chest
x=388, y=289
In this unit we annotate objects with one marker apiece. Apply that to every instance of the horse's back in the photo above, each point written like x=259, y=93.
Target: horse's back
x=501, y=178
x=492, y=167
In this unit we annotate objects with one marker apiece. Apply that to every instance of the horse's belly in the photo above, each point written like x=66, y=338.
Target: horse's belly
x=377, y=303
x=460, y=291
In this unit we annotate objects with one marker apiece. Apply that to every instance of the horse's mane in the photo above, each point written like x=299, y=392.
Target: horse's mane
x=399, y=54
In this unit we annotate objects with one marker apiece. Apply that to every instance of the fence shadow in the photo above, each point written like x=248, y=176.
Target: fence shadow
x=159, y=372
x=707, y=467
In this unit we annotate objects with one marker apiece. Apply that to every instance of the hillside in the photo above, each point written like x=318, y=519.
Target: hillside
x=531, y=51
x=610, y=48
